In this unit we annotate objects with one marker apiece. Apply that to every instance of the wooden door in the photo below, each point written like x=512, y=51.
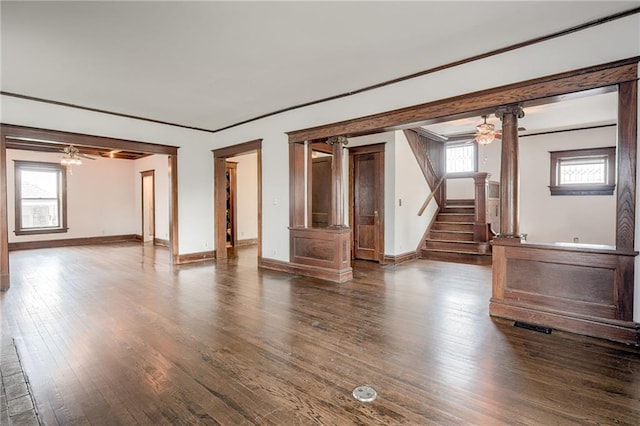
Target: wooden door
x=368, y=210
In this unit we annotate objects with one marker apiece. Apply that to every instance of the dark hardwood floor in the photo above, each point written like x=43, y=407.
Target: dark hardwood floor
x=115, y=335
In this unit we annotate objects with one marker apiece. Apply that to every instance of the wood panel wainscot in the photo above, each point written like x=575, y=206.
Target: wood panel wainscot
x=580, y=288
x=322, y=252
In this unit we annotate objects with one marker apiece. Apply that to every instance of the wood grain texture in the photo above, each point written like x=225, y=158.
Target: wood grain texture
x=296, y=185
x=162, y=242
x=241, y=148
x=4, y=225
x=220, y=205
x=377, y=149
x=201, y=256
x=430, y=155
x=259, y=153
x=326, y=248
x=320, y=197
x=66, y=242
x=396, y=259
x=220, y=157
x=69, y=138
x=566, y=286
x=226, y=343
x=510, y=173
x=367, y=200
x=476, y=103
x=173, y=208
x=627, y=159
x=337, y=199
x=481, y=192
x=152, y=175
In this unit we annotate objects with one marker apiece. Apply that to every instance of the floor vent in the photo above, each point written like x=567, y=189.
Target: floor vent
x=538, y=328
x=365, y=393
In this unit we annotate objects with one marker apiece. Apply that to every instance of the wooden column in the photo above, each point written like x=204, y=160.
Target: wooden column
x=296, y=185
x=480, y=228
x=173, y=208
x=4, y=226
x=627, y=152
x=509, y=173
x=220, y=205
x=336, y=218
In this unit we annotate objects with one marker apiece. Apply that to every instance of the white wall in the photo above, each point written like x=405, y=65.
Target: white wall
x=488, y=161
x=411, y=190
x=542, y=217
x=160, y=165
x=559, y=218
x=100, y=197
x=247, y=196
x=614, y=40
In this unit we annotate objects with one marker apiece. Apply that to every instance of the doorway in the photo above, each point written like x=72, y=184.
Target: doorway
x=366, y=172
x=231, y=204
x=226, y=205
x=148, y=206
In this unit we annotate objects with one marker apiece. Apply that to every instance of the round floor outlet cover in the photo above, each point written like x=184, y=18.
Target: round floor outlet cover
x=365, y=393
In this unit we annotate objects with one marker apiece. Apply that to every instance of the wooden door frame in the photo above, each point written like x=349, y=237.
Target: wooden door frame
x=219, y=192
x=233, y=170
x=144, y=174
x=378, y=148
x=9, y=131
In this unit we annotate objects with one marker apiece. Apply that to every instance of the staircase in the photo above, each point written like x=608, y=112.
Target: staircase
x=451, y=236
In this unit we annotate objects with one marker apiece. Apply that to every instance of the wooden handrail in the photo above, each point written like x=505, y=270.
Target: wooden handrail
x=431, y=195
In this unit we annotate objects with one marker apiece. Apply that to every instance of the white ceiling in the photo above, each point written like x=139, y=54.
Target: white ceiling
x=596, y=110
x=213, y=64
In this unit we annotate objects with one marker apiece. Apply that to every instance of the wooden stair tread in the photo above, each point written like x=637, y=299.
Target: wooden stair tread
x=456, y=251
x=451, y=236
x=455, y=241
x=465, y=201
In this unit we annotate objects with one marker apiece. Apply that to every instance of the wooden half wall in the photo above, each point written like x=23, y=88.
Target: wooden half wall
x=572, y=287
x=578, y=288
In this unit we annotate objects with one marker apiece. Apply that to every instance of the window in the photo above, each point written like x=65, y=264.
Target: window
x=462, y=159
x=40, y=192
x=583, y=171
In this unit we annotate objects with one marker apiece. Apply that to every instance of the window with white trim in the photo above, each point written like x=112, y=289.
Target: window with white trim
x=583, y=171
x=40, y=198
x=462, y=158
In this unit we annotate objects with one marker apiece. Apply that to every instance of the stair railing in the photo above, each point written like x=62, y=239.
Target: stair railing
x=436, y=193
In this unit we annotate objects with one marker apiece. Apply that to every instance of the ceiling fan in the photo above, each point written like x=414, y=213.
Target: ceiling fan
x=73, y=157
x=484, y=133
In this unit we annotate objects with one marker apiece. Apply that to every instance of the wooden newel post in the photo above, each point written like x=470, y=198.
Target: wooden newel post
x=480, y=228
x=336, y=218
x=509, y=173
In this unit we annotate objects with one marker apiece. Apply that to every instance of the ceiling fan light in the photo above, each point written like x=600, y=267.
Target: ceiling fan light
x=486, y=132
x=485, y=138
